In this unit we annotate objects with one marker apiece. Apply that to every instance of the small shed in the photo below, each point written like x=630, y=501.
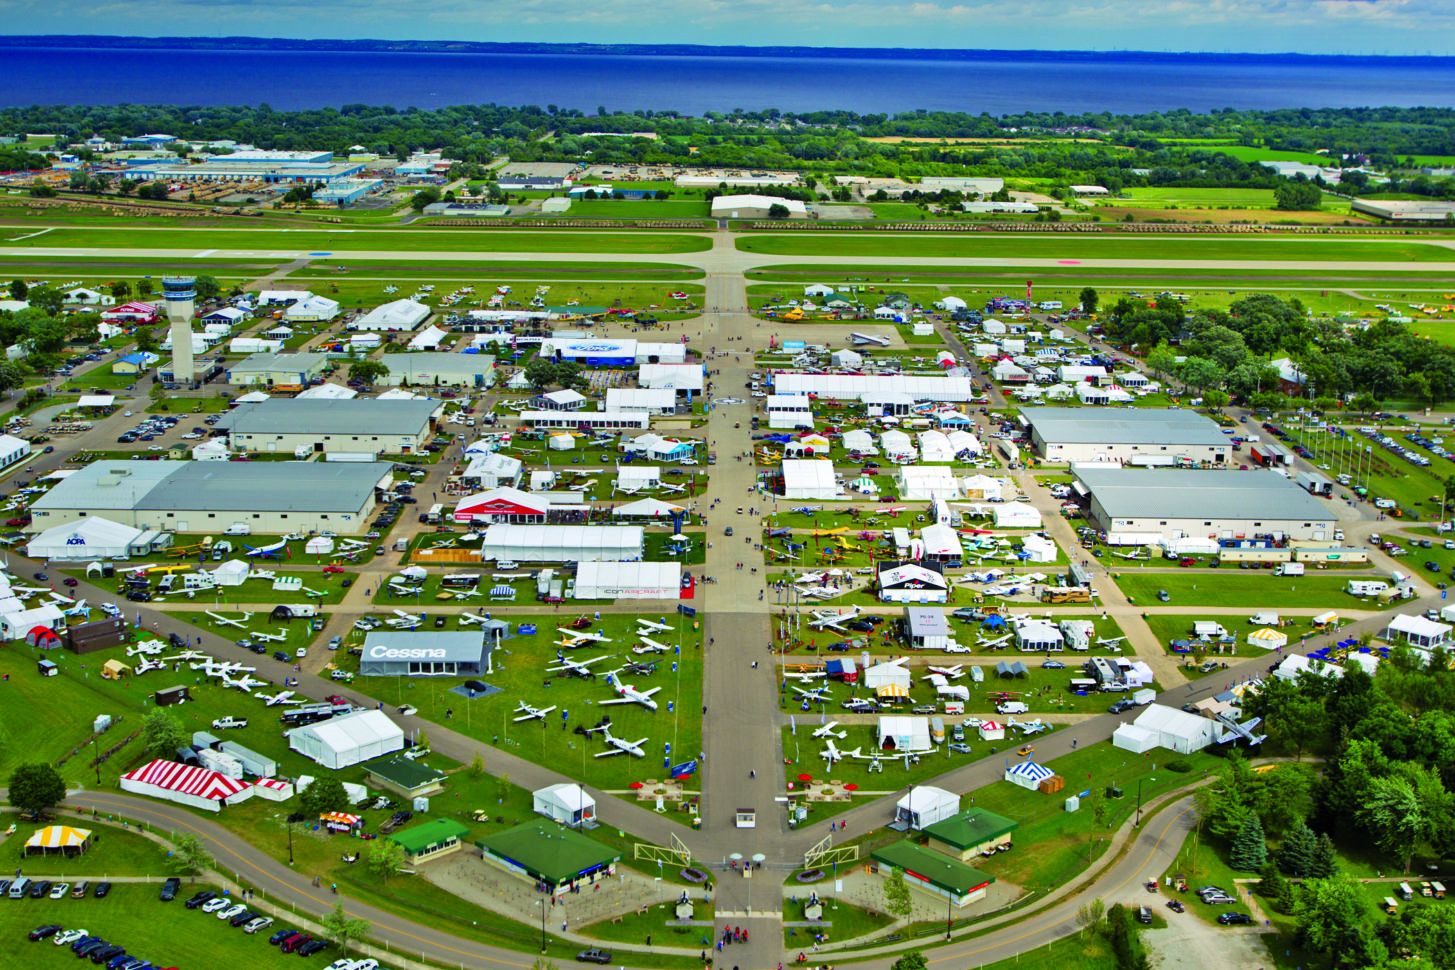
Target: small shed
x=991, y=731
x=565, y=803
x=924, y=806
x=406, y=777
x=273, y=789
x=114, y=669
x=48, y=668
x=172, y=695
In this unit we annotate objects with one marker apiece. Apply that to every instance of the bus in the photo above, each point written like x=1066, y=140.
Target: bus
x=432, y=517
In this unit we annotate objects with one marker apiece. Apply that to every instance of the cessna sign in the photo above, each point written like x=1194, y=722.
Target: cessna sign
x=382, y=652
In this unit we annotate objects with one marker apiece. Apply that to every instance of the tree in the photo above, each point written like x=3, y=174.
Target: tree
x=1297, y=196
x=1393, y=815
x=34, y=788
x=778, y=211
x=324, y=794
x=477, y=765
x=1296, y=855
x=897, y=901
x=384, y=858
x=342, y=929
x=913, y=960
x=1364, y=402
x=1215, y=399
x=1325, y=864
x=46, y=299
x=1161, y=360
x=18, y=289
x=120, y=290
x=1271, y=884
x=423, y=198
x=190, y=853
x=11, y=376
x=1090, y=915
x=207, y=287
x=1249, y=850
x=162, y=733
x=368, y=371
x=1332, y=915
x=1088, y=299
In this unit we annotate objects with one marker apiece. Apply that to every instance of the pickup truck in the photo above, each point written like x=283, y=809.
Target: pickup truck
x=229, y=722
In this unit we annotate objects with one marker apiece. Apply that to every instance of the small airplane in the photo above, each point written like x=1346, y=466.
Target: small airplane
x=950, y=673
x=1135, y=554
x=1030, y=727
x=213, y=667
x=582, y=636
x=466, y=593
x=620, y=746
x=816, y=694
x=184, y=656
x=629, y=694
x=403, y=620
x=282, y=697
x=805, y=676
x=652, y=626
x=997, y=642
x=405, y=589
x=1232, y=729
x=312, y=594
x=148, y=647
x=1108, y=641
x=472, y=618
x=649, y=645
x=528, y=713
x=807, y=509
x=267, y=552
x=832, y=620
x=220, y=620
x=244, y=683
x=574, y=668
x=269, y=637
x=148, y=664
x=641, y=668
x=827, y=731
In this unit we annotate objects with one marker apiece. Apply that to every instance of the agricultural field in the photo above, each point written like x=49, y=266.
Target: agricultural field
x=1247, y=153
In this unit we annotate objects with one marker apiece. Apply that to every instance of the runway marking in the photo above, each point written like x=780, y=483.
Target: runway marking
x=32, y=235
x=204, y=254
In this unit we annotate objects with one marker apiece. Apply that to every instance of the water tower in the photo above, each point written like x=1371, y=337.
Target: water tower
x=180, y=293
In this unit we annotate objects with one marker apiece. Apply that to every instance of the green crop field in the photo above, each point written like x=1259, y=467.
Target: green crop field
x=636, y=209
x=328, y=241
x=1201, y=198
x=1245, y=153
x=1432, y=281
x=970, y=246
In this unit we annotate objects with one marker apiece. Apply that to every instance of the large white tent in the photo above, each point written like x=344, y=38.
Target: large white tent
x=896, y=444
x=1167, y=727
x=565, y=803
x=399, y=315
x=920, y=483
x=430, y=338
x=903, y=735
x=860, y=441
x=925, y=805
x=562, y=543
x=935, y=446
x=1013, y=515
x=91, y=538
x=647, y=508
x=348, y=739
x=809, y=478
x=628, y=580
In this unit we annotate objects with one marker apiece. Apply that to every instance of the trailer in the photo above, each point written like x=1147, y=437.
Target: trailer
x=1315, y=484
x=253, y=763
x=220, y=762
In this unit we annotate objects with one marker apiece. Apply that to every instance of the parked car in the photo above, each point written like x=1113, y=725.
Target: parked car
x=197, y=899
x=293, y=942
x=311, y=947
x=228, y=912
x=67, y=937
x=39, y=889
x=44, y=932
x=102, y=888
x=594, y=955
x=258, y=923
x=169, y=889
x=281, y=935
x=1235, y=919
x=60, y=890
x=78, y=890
x=216, y=903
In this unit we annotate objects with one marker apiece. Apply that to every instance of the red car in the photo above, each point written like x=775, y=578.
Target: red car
x=333, y=569
x=1187, y=561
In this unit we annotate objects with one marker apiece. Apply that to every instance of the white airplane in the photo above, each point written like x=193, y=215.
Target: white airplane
x=652, y=626
x=185, y=656
x=148, y=664
x=404, y=621
x=830, y=620
x=244, y=683
x=1232, y=729
x=949, y=673
x=532, y=713
x=1108, y=641
x=472, y=618
x=1030, y=727
x=671, y=489
x=997, y=642
x=220, y=620
x=282, y=697
x=831, y=753
x=148, y=647
x=583, y=486
x=649, y=645
x=268, y=552
x=825, y=592
x=817, y=694
x=805, y=676
x=619, y=746
x=312, y=594
x=579, y=638
x=629, y=694
x=579, y=668
x=269, y=637
x=349, y=545
x=1135, y=554
x=827, y=731
x=466, y=593
x=404, y=590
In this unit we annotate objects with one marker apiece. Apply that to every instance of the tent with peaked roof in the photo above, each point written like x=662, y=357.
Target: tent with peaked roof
x=1028, y=774
x=59, y=838
x=197, y=787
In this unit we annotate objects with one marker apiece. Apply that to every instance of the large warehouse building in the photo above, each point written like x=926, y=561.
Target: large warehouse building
x=438, y=369
x=209, y=496
x=364, y=425
x=755, y=207
x=1221, y=503
x=400, y=653
x=1152, y=437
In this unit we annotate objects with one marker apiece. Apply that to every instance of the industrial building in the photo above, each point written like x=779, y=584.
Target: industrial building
x=590, y=420
x=755, y=207
x=542, y=853
x=266, y=370
x=1410, y=210
x=401, y=653
x=1221, y=503
x=405, y=314
x=864, y=387
x=1154, y=437
x=209, y=496
x=932, y=872
x=466, y=210
x=362, y=425
x=227, y=169
x=347, y=191
x=613, y=353
x=438, y=369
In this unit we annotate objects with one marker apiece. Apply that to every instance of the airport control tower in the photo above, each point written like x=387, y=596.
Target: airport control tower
x=181, y=294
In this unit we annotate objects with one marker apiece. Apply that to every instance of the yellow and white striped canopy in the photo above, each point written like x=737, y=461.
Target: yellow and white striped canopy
x=58, y=837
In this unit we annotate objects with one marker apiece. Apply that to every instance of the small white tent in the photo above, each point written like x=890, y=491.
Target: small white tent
x=1028, y=774
x=924, y=806
x=565, y=803
x=1012, y=515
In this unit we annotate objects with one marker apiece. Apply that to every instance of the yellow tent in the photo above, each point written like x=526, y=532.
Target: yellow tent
x=64, y=838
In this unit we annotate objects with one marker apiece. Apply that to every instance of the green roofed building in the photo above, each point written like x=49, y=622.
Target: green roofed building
x=970, y=833
x=406, y=777
x=438, y=837
x=933, y=872
x=551, y=854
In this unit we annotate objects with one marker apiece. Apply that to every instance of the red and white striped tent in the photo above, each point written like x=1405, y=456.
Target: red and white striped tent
x=186, y=785
x=273, y=790
x=134, y=312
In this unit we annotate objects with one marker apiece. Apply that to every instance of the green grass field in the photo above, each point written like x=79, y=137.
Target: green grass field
x=1237, y=588
x=654, y=298
x=970, y=246
x=472, y=271
x=1245, y=153
x=114, y=851
x=636, y=209
x=1201, y=198
x=326, y=242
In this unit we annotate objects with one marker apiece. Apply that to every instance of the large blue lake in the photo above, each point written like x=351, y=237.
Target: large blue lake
x=694, y=85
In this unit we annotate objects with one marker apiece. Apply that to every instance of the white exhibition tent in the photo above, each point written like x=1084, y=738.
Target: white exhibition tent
x=896, y=444
x=319, y=546
x=963, y=442
x=328, y=392
x=920, y=483
x=430, y=338
x=634, y=478
x=347, y=739
x=982, y=487
x=925, y=805
x=1418, y=631
x=562, y=543
x=231, y=573
x=1017, y=515
x=809, y=478
x=399, y=315
x=886, y=675
x=1038, y=549
x=628, y=580
x=565, y=803
x=860, y=441
x=1167, y=727
x=90, y=538
x=898, y=734
x=213, y=449
x=935, y=446
x=1028, y=774
x=942, y=541
x=647, y=508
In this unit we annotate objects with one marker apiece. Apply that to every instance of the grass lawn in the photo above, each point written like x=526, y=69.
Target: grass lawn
x=1082, y=951
x=971, y=245
x=212, y=404
x=1045, y=691
x=1233, y=587
x=339, y=266
x=131, y=916
x=636, y=209
x=1202, y=862
x=1202, y=198
x=1248, y=153
x=654, y=298
x=101, y=377
x=1168, y=627
x=114, y=852
x=841, y=922
x=327, y=242
x=635, y=927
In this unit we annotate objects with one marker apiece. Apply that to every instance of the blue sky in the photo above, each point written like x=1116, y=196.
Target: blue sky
x=1310, y=26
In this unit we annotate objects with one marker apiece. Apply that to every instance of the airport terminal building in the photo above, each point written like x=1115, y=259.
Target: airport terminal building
x=1135, y=436
x=402, y=653
x=1218, y=503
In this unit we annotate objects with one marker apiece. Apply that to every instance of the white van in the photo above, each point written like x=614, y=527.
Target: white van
x=237, y=529
x=1011, y=707
x=20, y=887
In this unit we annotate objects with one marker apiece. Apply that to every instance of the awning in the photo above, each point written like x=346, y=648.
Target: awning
x=892, y=690
x=502, y=591
x=57, y=837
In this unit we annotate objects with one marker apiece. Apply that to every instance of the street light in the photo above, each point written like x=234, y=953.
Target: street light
x=542, y=904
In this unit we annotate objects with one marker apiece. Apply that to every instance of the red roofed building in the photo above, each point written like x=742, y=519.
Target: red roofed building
x=133, y=312
x=502, y=505
x=186, y=785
